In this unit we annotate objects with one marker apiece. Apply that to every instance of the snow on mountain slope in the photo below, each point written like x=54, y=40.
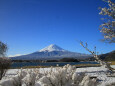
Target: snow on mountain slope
x=51, y=48
x=51, y=52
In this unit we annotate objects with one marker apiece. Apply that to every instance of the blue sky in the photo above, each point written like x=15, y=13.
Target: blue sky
x=29, y=25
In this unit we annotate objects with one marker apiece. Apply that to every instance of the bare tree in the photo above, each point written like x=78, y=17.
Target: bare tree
x=102, y=63
x=3, y=49
x=108, y=27
x=4, y=62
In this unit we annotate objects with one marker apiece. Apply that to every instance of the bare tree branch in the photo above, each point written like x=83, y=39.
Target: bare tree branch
x=108, y=27
x=97, y=57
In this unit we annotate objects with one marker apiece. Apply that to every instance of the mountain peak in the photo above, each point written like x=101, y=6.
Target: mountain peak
x=52, y=47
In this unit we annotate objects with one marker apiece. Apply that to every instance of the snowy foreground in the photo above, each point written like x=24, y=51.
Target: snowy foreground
x=66, y=76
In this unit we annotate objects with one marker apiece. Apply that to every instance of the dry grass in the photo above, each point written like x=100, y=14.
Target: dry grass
x=77, y=66
x=87, y=65
x=34, y=67
x=112, y=62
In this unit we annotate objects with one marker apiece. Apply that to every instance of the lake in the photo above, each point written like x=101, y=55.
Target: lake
x=22, y=64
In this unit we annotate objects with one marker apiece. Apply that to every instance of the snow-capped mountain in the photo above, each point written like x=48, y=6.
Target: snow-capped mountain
x=51, y=52
x=51, y=48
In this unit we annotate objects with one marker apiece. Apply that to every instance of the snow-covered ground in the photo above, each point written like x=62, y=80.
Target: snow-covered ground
x=113, y=66
x=99, y=72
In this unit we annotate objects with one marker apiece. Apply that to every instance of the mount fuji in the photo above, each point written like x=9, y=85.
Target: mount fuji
x=51, y=52
x=51, y=48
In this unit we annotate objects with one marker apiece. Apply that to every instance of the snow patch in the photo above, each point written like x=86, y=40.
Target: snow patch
x=51, y=48
x=98, y=72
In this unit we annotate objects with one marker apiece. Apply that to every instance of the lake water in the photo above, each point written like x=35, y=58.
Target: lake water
x=22, y=64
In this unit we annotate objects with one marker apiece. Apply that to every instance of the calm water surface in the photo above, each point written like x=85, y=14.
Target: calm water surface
x=22, y=64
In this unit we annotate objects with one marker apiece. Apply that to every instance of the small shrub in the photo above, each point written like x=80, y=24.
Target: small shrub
x=4, y=66
x=32, y=77
x=58, y=76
